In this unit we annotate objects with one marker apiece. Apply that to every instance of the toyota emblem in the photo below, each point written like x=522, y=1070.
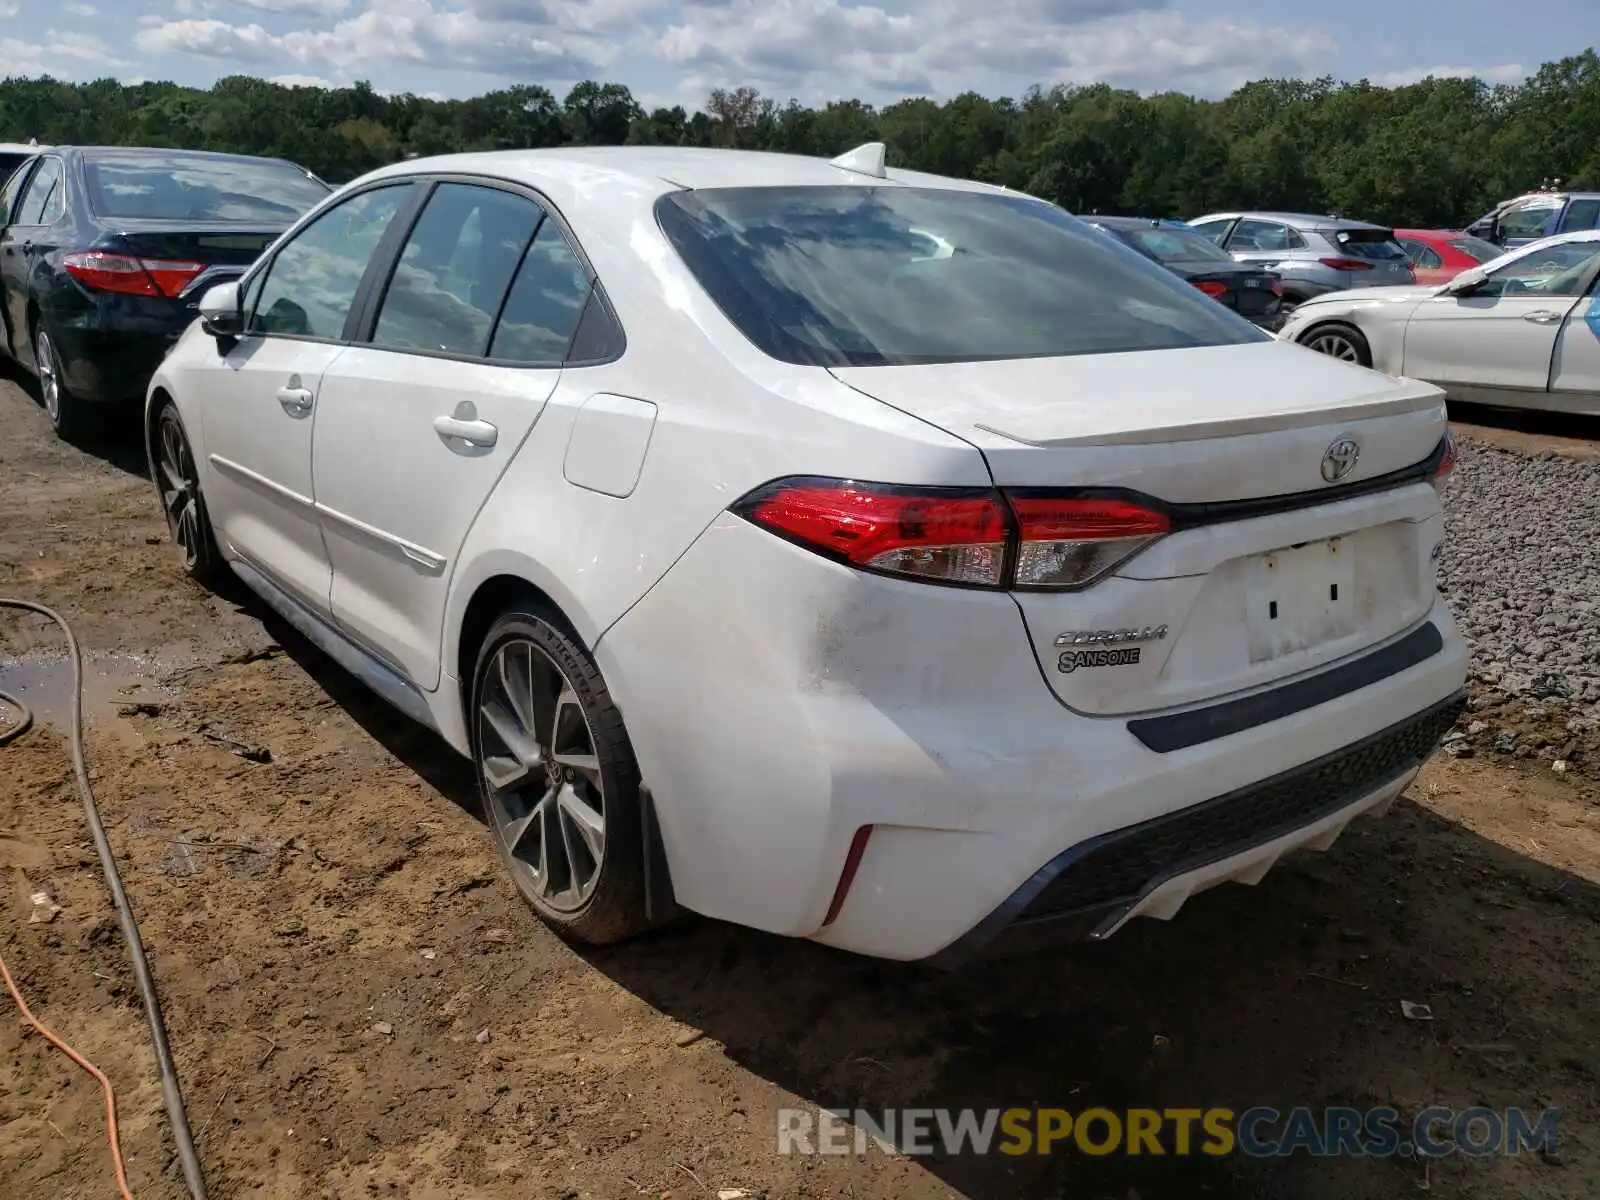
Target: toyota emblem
x=1339, y=459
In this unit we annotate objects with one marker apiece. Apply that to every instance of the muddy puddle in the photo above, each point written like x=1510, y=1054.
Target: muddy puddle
x=116, y=688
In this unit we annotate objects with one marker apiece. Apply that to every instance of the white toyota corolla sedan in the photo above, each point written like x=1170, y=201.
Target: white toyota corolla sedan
x=1521, y=331
x=855, y=554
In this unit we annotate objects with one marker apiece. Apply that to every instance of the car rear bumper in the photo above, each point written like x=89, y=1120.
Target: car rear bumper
x=110, y=365
x=779, y=704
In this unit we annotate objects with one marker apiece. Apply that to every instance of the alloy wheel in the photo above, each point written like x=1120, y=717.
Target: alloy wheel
x=179, y=487
x=1335, y=345
x=542, y=777
x=44, y=354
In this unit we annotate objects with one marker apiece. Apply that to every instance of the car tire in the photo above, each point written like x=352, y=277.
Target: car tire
x=558, y=780
x=1338, y=340
x=177, y=480
x=67, y=412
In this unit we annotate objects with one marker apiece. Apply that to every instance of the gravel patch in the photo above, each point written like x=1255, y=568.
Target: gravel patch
x=1520, y=567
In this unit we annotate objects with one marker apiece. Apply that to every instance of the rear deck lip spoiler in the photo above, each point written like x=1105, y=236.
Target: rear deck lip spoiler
x=1193, y=515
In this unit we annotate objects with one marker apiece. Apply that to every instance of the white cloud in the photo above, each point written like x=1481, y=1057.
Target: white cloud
x=1504, y=73
x=63, y=55
x=811, y=49
x=294, y=81
x=824, y=48
x=207, y=38
x=80, y=10
x=312, y=8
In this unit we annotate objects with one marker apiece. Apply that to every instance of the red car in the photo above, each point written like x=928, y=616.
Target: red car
x=1439, y=255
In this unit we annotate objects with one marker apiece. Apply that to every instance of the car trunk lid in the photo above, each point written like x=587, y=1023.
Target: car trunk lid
x=1369, y=258
x=1272, y=567
x=220, y=249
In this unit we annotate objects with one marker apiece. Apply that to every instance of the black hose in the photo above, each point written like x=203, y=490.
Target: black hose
x=173, y=1094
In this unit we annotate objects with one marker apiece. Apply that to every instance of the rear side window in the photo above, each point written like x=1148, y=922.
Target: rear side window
x=455, y=269
x=194, y=187
x=545, y=304
x=1375, y=245
x=843, y=276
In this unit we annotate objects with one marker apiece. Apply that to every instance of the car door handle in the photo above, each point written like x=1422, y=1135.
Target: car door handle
x=1543, y=317
x=296, y=401
x=476, y=433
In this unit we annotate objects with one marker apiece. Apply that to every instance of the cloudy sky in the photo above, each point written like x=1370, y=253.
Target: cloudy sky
x=677, y=50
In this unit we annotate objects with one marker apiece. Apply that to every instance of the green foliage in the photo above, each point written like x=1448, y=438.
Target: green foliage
x=1436, y=153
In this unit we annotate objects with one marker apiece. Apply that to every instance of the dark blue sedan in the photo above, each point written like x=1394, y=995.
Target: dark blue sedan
x=105, y=252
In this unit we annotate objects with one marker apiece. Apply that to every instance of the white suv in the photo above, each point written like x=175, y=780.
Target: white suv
x=856, y=554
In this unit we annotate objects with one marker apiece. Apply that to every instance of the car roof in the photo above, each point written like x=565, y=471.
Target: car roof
x=157, y=153
x=22, y=148
x=588, y=173
x=1294, y=220
x=1439, y=234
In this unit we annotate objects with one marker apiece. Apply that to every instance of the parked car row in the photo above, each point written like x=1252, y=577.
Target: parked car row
x=1517, y=327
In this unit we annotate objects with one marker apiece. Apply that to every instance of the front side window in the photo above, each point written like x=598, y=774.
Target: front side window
x=9, y=194
x=1165, y=244
x=1213, y=231
x=1477, y=248
x=454, y=270
x=39, y=200
x=312, y=281
x=1526, y=220
x=200, y=187
x=546, y=302
x=1260, y=235
x=1559, y=270
x=1581, y=214
x=841, y=276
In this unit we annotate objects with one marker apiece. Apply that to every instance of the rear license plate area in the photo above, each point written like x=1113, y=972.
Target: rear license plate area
x=1300, y=597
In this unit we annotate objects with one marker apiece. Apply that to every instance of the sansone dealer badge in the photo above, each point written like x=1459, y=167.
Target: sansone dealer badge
x=1071, y=660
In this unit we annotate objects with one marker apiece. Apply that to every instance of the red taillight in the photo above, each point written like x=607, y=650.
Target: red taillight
x=1346, y=264
x=952, y=536
x=1212, y=288
x=105, y=272
x=960, y=536
x=1068, y=542
x=1447, y=460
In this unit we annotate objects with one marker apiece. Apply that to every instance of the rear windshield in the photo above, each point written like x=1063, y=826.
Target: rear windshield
x=1374, y=244
x=1174, y=245
x=876, y=276
x=195, y=188
x=1477, y=248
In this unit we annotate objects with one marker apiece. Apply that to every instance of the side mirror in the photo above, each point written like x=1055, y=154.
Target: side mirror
x=221, y=311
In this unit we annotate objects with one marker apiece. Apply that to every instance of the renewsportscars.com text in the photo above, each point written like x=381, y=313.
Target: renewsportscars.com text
x=1215, y=1132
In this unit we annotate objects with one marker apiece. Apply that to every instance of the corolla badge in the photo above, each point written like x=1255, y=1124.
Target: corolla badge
x=1339, y=459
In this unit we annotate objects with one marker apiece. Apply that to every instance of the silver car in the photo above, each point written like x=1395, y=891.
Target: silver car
x=1313, y=255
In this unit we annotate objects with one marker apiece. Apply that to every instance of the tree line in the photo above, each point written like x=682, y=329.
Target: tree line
x=1435, y=153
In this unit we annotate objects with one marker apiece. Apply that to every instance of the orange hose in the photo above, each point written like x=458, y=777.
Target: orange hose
x=105, y=1084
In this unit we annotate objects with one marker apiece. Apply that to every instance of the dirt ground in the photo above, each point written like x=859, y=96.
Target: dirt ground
x=359, y=1004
